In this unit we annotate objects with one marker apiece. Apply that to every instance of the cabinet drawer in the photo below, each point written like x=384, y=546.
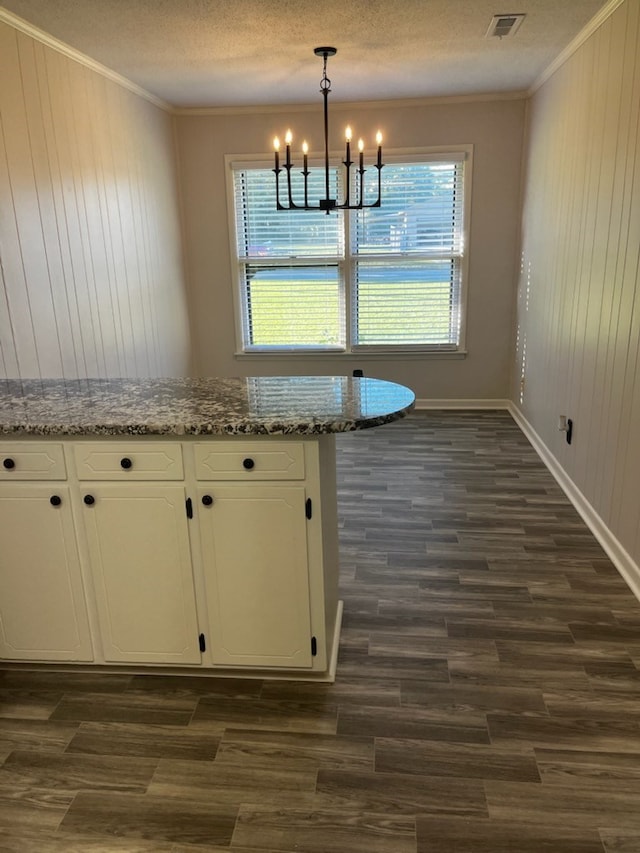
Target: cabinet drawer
x=249, y=460
x=27, y=461
x=139, y=461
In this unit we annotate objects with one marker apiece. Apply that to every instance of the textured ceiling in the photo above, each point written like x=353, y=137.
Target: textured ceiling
x=248, y=52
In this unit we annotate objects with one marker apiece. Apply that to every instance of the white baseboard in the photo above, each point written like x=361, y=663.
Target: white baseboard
x=431, y=403
x=618, y=555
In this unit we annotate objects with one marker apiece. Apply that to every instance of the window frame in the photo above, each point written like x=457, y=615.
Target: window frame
x=347, y=264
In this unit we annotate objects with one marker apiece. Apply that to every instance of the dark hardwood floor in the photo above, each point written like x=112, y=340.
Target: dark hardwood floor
x=487, y=697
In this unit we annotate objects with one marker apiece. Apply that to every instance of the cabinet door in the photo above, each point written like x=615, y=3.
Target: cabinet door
x=141, y=563
x=42, y=605
x=254, y=549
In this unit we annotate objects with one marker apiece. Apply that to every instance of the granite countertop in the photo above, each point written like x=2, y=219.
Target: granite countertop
x=272, y=405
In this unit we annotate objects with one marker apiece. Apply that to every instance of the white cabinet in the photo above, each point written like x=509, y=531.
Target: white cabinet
x=256, y=570
x=139, y=551
x=127, y=461
x=216, y=552
x=43, y=614
x=268, y=542
x=250, y=461
x=31, y=461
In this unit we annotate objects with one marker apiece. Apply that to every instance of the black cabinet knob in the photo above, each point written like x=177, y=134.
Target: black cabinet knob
x=55, y=500
x=126, y=463
x=248, y=463
x=207, y=500
x=89, y=500
x=9, y=463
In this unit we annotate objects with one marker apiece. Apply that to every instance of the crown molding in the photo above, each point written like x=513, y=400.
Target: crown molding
x=28, y=29
x=584, y=34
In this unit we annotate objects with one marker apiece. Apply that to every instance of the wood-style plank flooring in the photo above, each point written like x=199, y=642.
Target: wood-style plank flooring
x=487, y=697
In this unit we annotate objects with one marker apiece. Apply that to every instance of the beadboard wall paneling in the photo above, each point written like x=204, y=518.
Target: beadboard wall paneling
x=578, y=309
x=91, y=269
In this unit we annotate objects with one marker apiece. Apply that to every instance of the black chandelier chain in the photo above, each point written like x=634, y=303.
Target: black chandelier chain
x=327, y=203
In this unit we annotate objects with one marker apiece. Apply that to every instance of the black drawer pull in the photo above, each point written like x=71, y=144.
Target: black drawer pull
x=89, y=500
x=248, y=463
x=207, y=500
x=9, y=463
x=55, y=500
x=126, y=463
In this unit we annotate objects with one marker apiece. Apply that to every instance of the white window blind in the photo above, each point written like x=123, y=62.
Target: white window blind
x=399, y=267
x=291, y=280
x=407, y=259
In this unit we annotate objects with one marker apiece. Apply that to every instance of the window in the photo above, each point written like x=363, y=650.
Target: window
x=388, y=278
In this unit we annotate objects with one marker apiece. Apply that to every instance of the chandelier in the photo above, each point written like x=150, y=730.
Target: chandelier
x=327, y=204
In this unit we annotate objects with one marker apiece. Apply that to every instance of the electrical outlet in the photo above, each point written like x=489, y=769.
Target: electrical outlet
x=565, y=425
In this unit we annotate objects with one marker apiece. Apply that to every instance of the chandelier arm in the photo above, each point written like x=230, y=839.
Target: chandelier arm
x=292, y=204
x=277, y=171
x=305, y=176
x=348, y=163
x=379, y=168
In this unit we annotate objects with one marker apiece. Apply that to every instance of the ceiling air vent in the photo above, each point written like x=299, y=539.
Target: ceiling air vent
x=504, y=25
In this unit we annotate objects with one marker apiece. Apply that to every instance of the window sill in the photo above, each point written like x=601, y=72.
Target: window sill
x=379, y=355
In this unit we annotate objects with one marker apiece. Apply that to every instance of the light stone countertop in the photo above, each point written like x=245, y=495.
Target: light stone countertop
x=271, y=405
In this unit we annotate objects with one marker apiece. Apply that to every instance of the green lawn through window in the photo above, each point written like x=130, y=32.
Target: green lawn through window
x=301, y=306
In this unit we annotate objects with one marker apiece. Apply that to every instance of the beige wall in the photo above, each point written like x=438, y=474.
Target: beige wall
x=578, y=317
x=495, y=128
x=91, y=278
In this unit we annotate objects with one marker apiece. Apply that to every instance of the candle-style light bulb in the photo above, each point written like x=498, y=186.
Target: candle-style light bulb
x=276, y=148
x=287, y=138
x=347, y=136
x=379, y=141
x=305, y=151
x=361, y=149
x=305, y=148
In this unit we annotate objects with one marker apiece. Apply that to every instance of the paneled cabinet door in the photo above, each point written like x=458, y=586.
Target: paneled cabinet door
x=141, y=564
x=254, y=550
x=42, y=604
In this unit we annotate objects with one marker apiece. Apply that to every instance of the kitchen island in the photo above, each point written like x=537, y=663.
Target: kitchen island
x=182, y=524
